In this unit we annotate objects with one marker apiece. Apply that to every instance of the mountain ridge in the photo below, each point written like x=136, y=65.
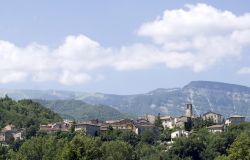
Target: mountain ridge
x=227, y=99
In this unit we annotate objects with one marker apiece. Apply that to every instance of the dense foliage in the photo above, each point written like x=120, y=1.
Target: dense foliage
x=25, y=113
x=232, y=144
x=75, y=109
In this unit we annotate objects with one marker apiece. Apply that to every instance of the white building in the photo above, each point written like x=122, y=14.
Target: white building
x=178, y=134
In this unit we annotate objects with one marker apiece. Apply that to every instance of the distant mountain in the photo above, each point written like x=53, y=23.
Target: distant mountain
x=227, y=99
x=76, y=109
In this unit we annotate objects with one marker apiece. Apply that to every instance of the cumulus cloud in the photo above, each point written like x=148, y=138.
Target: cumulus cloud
x=197, y=36
x=200, y=33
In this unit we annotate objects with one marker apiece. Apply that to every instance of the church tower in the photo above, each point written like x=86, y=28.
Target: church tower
x=189, y=110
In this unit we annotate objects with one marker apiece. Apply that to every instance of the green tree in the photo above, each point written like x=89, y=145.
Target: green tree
x=190, y=147
x=40, y=148
x=72, y=128
x=148, y=137
x=117, y=150
x=111, y=134
x=129, y=137
x=147, y=152
x=199, y=123
x=158, y=122
x=165, y=135
x=240, y=149
x=82, y=147
x=3, y=152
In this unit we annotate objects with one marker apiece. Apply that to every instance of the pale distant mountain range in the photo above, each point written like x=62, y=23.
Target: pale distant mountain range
x=226, y=99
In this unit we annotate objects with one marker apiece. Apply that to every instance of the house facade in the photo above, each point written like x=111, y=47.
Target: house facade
x=235, y=119
x=88, y=129
x=124, y=124
x=215, y=117
x=183, y=122
x=178, y=134
x=142, y=125
x=10, y=133
x=168, y=122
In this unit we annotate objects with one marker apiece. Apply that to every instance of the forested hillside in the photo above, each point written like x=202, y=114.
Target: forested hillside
x=25, y=113
x=76, y=109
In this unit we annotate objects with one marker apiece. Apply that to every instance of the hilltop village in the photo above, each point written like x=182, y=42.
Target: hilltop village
x=180, y=126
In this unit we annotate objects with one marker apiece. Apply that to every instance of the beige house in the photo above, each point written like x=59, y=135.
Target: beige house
x=124, y=124
x=168, y=122
x=215, y=117
x=150, y=118
x=10, y=133
x=235, y=119
x=9, y=127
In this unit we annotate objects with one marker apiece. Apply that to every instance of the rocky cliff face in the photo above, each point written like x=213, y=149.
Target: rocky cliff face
x=227, y=99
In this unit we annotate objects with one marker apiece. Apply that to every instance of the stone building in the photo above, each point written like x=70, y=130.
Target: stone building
x=168, y=122
x=235, y=119
x=189, y=110
x=124, y=124
x=142, y=125
x=184, y=122
x=88, y=129
x=10, y=133
x=215, y=117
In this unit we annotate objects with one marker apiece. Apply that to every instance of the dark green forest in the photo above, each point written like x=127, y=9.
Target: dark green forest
x=25, y=114
x=76, y=109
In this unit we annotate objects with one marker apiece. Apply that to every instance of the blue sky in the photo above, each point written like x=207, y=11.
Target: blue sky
x=121, y=46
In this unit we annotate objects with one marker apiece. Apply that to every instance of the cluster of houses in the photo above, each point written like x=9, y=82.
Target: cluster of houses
x=138, y=126
x=10, y=133
x=142, y=124
x=95, y=127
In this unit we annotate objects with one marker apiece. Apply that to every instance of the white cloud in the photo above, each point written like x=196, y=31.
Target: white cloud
x=200, y=33
x=196, y=37
x=244, y=70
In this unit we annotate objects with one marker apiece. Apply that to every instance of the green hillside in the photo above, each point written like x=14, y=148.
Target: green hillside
x=75, y=109
x=25, y=113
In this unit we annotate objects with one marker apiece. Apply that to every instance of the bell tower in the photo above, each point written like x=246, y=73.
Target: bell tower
x=189, y=110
